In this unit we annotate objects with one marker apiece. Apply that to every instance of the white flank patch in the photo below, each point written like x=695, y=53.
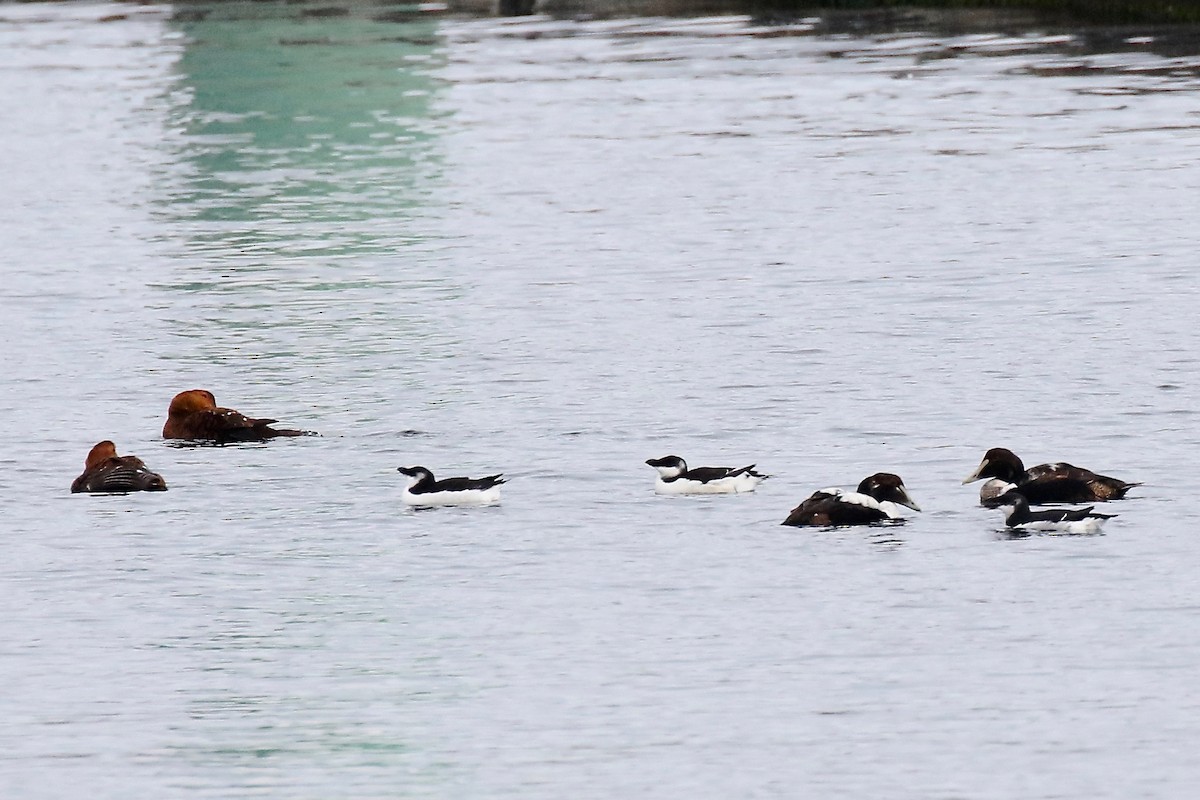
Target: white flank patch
x=468, y=497
x=1080, y=526
x=734, y=485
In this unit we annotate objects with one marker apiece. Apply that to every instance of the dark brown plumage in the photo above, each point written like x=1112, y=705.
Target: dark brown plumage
x=873, y=501
x=105, y=471
x=1047, y=483
x=194, y=414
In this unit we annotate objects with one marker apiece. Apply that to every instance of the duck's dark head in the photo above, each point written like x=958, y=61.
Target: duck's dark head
x=668, y=466
x=415, y=474
x=998, y=463
x=886, y=486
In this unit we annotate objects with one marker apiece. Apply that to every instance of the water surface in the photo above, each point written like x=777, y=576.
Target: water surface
x=557, y=249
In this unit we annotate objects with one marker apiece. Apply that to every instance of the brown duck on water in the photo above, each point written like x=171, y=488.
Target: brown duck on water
x=195, y=415
x=1059, y=482
x=105, y=471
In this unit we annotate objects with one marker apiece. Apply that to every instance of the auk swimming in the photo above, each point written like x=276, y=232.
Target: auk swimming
x=424, y=490
x=674, y=477
x=1063, y=520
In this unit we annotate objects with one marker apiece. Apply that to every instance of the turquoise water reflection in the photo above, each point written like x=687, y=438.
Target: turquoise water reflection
x=292, y=122
x=306, y=152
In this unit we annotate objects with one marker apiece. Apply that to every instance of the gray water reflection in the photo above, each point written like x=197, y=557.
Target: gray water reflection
x=557, y=248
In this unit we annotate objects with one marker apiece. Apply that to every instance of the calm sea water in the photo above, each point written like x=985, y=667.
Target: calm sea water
x=557, y=249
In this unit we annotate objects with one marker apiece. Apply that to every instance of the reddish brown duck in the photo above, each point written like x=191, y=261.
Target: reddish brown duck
x=105, y=471
x=194, y=414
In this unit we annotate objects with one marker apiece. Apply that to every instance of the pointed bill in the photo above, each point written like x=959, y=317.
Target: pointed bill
x=977, y=474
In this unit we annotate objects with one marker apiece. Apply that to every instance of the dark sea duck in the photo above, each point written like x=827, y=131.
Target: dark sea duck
x=877, y=499
x=674, y=477
x=1046, y=483
x=424, y=490
x=105, y=471
x=195, y=415
x=1018, y=516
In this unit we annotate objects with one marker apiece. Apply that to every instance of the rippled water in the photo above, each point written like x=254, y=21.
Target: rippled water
x=557, y=249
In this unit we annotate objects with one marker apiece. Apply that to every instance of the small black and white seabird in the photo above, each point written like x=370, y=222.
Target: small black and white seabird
x=1046, y=483
x=423, y=490
x=877, y=499
x=674, y=477
x=1062, y=520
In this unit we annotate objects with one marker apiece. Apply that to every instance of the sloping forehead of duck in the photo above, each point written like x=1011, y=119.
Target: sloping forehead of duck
x=880, y=480
x=101, y=451
x=1002, y=455
x=194, y=400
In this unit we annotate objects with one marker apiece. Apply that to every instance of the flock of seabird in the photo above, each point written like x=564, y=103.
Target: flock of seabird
x=195, y=416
